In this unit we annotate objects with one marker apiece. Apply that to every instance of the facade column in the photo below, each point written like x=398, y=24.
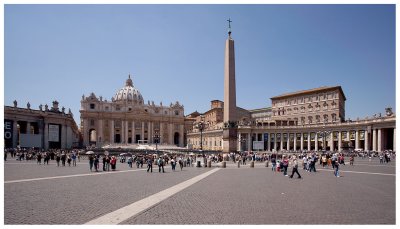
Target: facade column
x=339, y=141
x=112, y=132
x=249, y=143
x=316, y=141
x=15, y=134
x=275, y=142
x=331, y=141
x=133, y=132
x=126, y=131
x=281, y=141
x=100, y=138
x=374, y=140
x=181, y=135
x=28, y=127
x=63, y=136
x=294, y=141
x=122, y=132
x=269, y=142
x=171, y=137
x=301, y=141
x=309, y=141
x=288, y=142
x=46, y=134
x=379, y=140
x=85, y=133
x=161, y=133
x=239, y=142
x=366, y=139
x=142, y=134
x=148, y=132
x=357, y=140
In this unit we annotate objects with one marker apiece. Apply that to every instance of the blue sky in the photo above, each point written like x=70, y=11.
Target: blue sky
x=176, y=53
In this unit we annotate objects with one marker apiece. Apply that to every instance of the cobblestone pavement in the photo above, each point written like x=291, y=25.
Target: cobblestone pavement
x=229, y=196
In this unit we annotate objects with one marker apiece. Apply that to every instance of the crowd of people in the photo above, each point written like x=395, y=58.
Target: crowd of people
x=280, y=162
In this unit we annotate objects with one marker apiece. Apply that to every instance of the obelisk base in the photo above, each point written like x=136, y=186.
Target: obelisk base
x=229, y=140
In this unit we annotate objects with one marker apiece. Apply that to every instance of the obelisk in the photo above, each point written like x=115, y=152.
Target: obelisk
x=230, y=120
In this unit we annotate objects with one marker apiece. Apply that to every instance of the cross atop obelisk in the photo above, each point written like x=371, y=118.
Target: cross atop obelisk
x=229, y=27
x=230, y=119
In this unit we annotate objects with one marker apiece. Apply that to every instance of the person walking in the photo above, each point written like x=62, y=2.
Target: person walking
x=58, y=158
x=96, y=163
x=91, y=160
x=149, y=164
x=180, y=163
x=39, y=158
x=336, y=172
x=113, y=163
x=63, y=158
x=285, y=163
x=73, y=159
x=295, y=166
x=173, y=164
x=69, y=160
x=273, y=161
x=160, y=163
x=108, y=161
x=352, y=160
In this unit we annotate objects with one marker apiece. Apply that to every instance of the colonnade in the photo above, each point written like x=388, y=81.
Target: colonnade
x=316, y=140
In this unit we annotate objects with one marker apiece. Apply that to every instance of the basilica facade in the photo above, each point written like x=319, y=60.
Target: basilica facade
x=127, y=119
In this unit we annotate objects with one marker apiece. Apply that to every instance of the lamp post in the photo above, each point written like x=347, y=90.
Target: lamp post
x=324, y=133
x=201, y=126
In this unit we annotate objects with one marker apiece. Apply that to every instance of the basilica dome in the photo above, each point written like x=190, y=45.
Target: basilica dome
x=128, y=93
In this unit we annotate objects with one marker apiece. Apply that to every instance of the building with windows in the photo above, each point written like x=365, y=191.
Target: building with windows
x=311, y=119
x=43, y=128
x=127, y=119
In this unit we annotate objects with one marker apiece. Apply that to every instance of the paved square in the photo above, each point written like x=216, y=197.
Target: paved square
x=364, y=194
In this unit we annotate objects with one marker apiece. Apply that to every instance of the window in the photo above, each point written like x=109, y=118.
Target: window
x=129, y=109
x=176, y=112
x=92, y=106
x=91, y=122
x=117, y=108
x=107, y=108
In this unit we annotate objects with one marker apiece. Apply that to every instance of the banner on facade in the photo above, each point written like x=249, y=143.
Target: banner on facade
x=265, y=137
x=362, y=135
x=8, y=133
x=54, y=133
x=352, y=135
x=344, y=135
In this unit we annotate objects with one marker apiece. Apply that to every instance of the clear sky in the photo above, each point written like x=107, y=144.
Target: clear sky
x=176, y=53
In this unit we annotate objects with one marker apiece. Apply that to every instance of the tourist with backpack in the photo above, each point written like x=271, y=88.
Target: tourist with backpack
x=160, y=163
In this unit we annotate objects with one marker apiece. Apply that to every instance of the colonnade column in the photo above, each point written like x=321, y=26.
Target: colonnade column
x=331, y=142
x=366, y=139
x=288, y=142
x=374, y=140
x=269, y=142
x=357, y=140
x=379, y=140
x=133, y=132
x=112, y=132
x=394, y=139
x=339, y=141
x=275, y=141
x=281, y=141
x=294, y=141
x=122, y=132
x=309, y=141
x=181, y=137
